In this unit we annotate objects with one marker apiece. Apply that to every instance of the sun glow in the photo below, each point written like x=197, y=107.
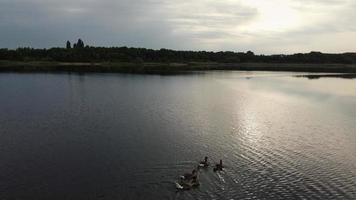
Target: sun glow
x=274, y=16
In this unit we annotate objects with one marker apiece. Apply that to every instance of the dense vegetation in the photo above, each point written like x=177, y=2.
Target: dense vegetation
x=81, y=53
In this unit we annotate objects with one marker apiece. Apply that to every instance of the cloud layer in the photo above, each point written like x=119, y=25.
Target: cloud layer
x=274, y=26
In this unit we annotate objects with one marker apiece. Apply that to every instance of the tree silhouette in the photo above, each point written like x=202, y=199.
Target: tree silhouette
x=82, y=53
x=80, y=43
x=68, y=45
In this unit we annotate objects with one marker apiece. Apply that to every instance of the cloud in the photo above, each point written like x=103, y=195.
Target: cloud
x=273, y=26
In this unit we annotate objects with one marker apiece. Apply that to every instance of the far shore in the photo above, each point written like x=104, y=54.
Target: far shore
x=122, y=67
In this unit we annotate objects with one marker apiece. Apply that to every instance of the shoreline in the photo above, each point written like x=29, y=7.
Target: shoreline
x=148, y=68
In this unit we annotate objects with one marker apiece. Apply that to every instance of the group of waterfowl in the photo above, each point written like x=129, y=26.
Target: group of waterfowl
x=188, y=181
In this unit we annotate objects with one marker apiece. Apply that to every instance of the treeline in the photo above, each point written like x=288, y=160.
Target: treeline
x=82, y=53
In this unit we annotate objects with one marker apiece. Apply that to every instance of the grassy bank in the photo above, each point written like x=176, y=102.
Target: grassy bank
x=18, y=66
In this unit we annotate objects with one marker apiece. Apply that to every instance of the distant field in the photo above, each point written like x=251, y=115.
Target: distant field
x=40, y=66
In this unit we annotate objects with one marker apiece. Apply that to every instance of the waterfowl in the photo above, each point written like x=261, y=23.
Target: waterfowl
x=204, y=163
x=218, y=167
x=189, y=176
x=188, y=181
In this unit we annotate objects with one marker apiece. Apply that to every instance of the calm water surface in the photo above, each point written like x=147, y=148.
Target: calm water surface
x=112, y=136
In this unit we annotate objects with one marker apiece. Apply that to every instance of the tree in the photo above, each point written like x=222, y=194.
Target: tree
x=80, y=43
x=250, y=53
x=69, y=45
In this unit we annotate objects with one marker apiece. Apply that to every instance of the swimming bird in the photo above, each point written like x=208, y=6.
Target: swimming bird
x=188, y=181
x=189, y=176
x=219, y=166
x=204, y=163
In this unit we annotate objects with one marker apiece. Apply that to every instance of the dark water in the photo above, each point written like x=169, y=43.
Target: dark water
x=111, y=136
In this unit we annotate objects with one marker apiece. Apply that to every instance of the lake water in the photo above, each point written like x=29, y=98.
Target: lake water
x=116, y=136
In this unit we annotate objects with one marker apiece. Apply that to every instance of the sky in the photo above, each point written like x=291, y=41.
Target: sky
x=262, y=26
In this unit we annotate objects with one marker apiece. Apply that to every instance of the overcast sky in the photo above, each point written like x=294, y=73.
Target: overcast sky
x=263, y=26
